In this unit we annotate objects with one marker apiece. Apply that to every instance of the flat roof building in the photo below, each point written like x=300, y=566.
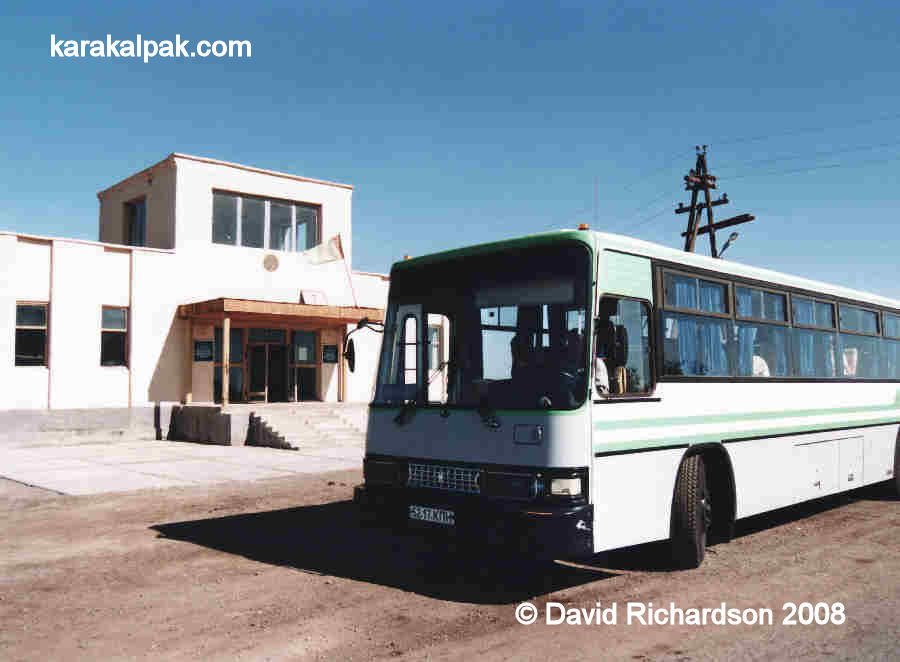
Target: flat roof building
x=210, y=282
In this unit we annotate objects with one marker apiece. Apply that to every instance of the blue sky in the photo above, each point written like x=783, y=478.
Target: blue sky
x=468, y=122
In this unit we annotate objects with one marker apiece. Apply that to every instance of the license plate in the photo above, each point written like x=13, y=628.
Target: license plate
x=433, y=515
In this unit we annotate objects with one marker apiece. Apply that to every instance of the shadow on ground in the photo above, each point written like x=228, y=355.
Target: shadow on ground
x=656, y=557
x=330, y=539
x=750, y=525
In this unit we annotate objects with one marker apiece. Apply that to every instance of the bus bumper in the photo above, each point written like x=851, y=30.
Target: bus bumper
x=532, y=530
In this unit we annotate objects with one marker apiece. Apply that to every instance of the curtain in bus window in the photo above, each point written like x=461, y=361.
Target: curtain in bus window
x=746, y=333
x=891, y=359
x=804, y=365
x=774, y=307
x=780, y=340
x=680, y=345
x=695, y=346
x=686, y=331
x=712, y=297
x=681, y=291
x=713, y=336
x=814, y=353
x=860, y=358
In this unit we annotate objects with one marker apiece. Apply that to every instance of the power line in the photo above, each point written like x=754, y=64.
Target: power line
x=832, y=166
x=642, y=207
x=649, y=218
x=815, y=155
x=791, y=132
x=670, y=165
x=794, y=132
x=813, y=168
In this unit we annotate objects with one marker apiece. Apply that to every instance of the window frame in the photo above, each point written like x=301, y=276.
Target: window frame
x=45, y=329
x=877, y=334
x=885, y=314
x=317, y=349
x=128, y=205
x=788, y=310
x=439, y=346
x=729, y=294
x=652, y=326
x=126, y=331
x=294, y=205
x=834, y=314
x=662, y=266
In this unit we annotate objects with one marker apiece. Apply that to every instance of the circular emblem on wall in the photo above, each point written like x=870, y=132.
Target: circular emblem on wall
x=270, y=262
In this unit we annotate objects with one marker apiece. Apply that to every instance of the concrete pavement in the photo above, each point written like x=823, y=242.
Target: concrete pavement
x=132, y=465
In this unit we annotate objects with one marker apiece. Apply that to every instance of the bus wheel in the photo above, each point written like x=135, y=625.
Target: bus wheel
x=691, y=513
x=897, y=465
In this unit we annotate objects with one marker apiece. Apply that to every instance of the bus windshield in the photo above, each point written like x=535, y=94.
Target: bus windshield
x=503, y=330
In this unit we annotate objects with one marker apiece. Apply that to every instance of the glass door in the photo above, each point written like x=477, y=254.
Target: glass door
x=257, y=357
x=277, y=385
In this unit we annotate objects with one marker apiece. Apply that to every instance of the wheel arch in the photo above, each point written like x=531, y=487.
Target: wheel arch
x=720, y=482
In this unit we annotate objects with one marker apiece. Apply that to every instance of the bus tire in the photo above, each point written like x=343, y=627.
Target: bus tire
x=897, y=465
x=691, y=514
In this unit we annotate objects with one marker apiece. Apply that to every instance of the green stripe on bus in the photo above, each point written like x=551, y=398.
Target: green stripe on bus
x=716, y=437
x=736, y=418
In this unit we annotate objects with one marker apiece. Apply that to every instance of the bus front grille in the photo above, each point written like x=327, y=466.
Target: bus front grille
x=438, y=477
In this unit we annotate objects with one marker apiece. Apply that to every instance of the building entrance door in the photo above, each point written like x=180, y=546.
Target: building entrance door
x=306, y=384
x=268, y=370
x=258, y=359
x=277, y=387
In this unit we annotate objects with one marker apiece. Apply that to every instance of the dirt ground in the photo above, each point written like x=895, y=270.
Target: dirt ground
x=281, y=569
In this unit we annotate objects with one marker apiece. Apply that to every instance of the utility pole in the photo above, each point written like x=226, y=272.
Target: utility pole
x=699, y=181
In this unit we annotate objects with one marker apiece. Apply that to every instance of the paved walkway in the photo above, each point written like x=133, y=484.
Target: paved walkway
x=132, y=465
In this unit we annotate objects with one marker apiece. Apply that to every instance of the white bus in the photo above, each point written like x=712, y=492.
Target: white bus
x=574, y=392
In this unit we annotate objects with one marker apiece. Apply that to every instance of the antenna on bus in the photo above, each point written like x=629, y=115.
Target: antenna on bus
x=696, y=181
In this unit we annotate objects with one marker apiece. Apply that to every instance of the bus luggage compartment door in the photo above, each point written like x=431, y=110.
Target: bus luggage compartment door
x=851, y=458
x=818, y=462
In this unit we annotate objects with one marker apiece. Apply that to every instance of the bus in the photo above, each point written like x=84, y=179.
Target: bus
x=574, y=392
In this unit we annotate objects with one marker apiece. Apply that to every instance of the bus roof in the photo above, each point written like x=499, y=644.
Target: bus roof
x=622, y=243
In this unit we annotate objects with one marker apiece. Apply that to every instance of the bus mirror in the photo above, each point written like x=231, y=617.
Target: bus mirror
x=350, y=355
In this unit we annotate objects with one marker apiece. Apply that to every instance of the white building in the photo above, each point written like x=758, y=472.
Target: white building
x=199, y=262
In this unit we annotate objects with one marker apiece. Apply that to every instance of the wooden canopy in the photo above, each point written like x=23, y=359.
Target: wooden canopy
x=261, y=312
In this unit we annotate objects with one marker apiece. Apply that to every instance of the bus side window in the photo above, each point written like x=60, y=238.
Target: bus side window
x=622, y=348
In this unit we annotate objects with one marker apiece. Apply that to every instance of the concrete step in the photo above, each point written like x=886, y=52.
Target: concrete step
x=304, y=426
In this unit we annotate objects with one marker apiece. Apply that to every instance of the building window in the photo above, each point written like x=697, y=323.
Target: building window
x=136, y=222
x=272, y=224
x=253, y=222
x=304, y=347
x=114, y=336
x=307, y=228
x=31, y=334
x=280, y=226
x=225, y=219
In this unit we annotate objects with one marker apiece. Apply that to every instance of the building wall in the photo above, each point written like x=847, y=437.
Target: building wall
x=25, y=271
x=157, y=186
x=85, y=277
x=77, y=278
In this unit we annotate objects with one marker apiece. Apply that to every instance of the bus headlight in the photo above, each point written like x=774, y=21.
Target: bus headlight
x=565, y=487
